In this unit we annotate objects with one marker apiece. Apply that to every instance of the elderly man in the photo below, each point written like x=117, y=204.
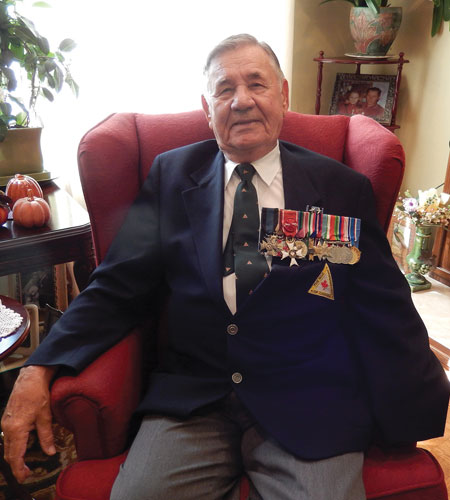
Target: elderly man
x=284, y=372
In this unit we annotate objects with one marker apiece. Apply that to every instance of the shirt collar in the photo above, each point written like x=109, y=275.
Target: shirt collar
x=267, y=167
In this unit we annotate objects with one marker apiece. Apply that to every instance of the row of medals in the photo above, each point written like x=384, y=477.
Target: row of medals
x=285, y=247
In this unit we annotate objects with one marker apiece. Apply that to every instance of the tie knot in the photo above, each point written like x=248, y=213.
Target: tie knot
x=245, y=171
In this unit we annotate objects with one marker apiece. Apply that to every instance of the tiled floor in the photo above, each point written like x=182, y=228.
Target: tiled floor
x=434, y=308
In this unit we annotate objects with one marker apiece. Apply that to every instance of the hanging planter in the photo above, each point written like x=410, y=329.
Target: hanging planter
x=374, y=32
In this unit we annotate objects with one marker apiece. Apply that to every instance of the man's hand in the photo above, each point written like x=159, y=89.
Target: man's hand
x=28, y=408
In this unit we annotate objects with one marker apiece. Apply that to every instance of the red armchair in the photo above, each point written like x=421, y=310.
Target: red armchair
x=96, y=405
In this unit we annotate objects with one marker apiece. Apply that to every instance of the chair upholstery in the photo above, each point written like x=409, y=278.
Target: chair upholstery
x=114, y=159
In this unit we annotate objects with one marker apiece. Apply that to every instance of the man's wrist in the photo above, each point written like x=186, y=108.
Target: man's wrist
x=46, y=373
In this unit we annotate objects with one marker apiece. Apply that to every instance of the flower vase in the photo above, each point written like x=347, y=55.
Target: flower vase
x=420, y=260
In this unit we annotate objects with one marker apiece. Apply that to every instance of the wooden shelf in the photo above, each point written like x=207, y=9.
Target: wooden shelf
x=358, y=62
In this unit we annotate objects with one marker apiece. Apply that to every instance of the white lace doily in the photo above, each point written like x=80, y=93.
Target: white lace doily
x=9, y=320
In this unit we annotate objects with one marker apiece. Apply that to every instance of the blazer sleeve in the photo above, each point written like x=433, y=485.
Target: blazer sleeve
x=121, y=291
x=408, y=389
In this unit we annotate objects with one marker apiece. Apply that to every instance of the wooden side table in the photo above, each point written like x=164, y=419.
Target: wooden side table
x=66, y=238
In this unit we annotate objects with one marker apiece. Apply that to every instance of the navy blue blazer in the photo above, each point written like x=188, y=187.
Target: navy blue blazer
x=323, y=377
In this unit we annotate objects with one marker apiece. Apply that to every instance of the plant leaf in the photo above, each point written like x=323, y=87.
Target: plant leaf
x=50, y=65
x=42, y=4
x=59, y=78
x=51, y=81
x=43, y=44
x=48, y=95
x=446, y=13
x=22, y=119
x=5, y=108
x=73, y=85
x=438, y=15
x=374, y=6
x=67, y=45
x=12, y=82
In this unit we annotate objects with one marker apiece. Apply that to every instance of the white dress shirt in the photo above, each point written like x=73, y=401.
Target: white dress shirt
x=268, y=182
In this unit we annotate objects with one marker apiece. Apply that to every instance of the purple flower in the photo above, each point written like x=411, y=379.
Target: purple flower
x=410, y=205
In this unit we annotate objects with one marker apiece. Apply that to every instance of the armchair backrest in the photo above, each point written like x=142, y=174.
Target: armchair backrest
x=115, y=156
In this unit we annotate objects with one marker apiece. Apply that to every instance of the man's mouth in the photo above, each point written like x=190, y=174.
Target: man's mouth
x=244, y=122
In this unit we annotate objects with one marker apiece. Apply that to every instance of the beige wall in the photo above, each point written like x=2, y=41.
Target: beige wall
x=424, y=102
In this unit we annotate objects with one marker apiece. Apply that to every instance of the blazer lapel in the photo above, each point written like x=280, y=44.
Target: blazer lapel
x=204, y=206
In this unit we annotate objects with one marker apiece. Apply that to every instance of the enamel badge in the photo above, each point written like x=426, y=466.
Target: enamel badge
x=323, y=286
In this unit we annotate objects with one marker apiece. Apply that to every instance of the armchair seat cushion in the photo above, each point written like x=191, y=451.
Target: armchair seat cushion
x=393, y=475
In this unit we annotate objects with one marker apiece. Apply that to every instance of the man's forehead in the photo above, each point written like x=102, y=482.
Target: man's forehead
x=250, y=61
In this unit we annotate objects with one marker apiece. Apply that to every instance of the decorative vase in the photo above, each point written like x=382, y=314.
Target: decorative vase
x=20, y=152
x=372, y=33
x=420, y=260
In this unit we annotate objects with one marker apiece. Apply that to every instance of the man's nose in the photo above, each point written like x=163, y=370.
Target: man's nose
x=242, y=98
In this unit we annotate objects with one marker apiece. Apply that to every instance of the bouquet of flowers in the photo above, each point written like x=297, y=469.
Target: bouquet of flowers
x=428, y=209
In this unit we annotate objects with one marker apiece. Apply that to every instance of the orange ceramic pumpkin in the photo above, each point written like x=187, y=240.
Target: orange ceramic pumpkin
x=4, y=211
x=19, y=185
x=4, y=207
x=31, y=211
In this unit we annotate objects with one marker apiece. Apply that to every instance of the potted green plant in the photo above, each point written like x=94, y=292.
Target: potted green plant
x=373, y=26
x=441, y=13
x=28, y=69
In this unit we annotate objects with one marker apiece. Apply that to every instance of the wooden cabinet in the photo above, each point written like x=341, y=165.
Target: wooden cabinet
x=441, y=248
x=358, y=62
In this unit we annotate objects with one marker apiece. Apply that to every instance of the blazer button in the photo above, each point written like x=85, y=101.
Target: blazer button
x=236, y=378
x=232, y=329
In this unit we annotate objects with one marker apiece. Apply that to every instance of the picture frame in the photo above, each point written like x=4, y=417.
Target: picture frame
x=38, y=287
x=370, y=95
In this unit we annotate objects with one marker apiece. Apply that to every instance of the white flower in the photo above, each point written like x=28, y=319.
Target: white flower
x=428, y=200
x=410, y=205
x=445, y=197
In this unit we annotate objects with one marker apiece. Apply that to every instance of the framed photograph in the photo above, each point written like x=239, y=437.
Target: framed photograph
x=38, y=287
x=370, y=95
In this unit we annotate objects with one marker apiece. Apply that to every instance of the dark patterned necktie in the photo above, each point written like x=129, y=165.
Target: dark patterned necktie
x=241, y=253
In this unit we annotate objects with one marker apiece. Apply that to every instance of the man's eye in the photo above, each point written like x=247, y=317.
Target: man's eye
x=223, y=92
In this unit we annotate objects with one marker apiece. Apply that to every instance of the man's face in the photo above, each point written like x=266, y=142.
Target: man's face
x=246, y=103
x=372, y=97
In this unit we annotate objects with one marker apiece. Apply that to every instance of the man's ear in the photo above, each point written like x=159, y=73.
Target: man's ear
x=205, y=106
x=285, y=92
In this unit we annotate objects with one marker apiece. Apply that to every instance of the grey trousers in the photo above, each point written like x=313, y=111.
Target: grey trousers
x=204, y=457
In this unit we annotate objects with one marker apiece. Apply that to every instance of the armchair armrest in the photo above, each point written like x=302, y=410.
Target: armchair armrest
x=97, y=404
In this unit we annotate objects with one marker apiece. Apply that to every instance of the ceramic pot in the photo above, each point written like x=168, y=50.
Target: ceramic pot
x=372, y=33
x=20, y=152
x=420, y=260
